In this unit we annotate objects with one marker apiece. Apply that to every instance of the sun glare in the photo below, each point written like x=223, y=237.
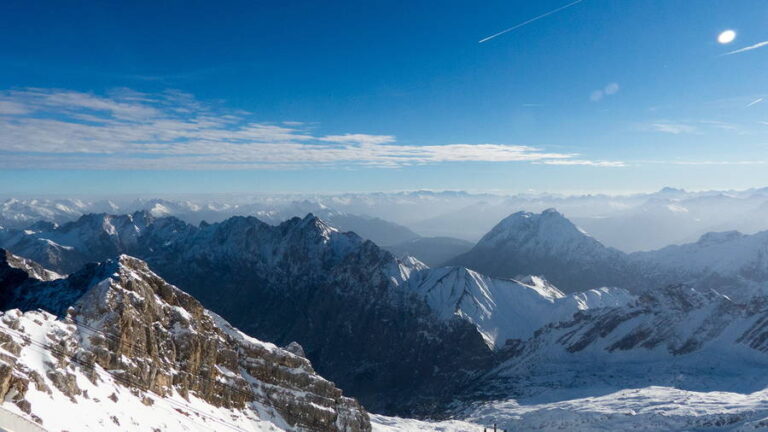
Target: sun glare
x=726, y=37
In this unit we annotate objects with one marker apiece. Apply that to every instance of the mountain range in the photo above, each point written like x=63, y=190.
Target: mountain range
x=344, y=299
x=473, y=343
x=549, y=244
x=657, y=219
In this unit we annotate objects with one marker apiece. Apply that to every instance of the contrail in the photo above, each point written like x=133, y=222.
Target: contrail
x=532, y=20
x=749, y=48
x=754, y=102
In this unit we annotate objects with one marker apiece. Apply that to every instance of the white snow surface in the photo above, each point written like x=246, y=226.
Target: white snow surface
x=727, y=254
x=396, y=424
x=650, y=409
x=504, y=309
x=106, y=405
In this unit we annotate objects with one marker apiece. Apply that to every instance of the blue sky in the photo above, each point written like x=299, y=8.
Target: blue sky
x=256, y=96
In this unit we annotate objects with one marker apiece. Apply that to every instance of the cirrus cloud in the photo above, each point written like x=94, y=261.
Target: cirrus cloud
x=65, y=129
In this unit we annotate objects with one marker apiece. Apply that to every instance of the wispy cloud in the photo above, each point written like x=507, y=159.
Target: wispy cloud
x=581, y=162
x=7, y=107
x=359, y=138
x=609, y=90
x=44, y=128
x=696, y=127
x=749, y=48
x=673, y=128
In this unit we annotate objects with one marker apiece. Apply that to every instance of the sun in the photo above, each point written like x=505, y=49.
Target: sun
x=726, y=37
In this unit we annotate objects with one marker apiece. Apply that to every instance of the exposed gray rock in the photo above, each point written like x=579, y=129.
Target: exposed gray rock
x=122, y=317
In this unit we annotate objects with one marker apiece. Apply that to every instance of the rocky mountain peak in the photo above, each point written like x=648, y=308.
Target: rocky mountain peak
x=549, y=226
x=546, y=244
x=119, y=316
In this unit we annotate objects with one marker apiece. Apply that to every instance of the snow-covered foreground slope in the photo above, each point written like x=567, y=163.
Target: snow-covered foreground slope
x=397, y=424
x=651, y=409
x=644, y=409
x=115, y=347
x=55, y=391
x=674, y=359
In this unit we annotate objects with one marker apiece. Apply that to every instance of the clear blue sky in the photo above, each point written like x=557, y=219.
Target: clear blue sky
x=260, y=96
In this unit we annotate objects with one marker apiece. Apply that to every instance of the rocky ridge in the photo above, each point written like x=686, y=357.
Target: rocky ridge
x=118, y=325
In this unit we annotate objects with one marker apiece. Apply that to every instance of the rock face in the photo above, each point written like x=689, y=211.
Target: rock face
x=118, y=325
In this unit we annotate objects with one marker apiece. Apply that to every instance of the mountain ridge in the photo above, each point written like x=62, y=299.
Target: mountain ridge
x=117, y=326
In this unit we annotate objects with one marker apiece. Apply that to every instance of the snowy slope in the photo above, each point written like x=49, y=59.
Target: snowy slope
x=505, y=309
x=648, y=409
x=674, y=359
x=729, y=262
x=101, y=401
x=117, y=347
x=396, y=424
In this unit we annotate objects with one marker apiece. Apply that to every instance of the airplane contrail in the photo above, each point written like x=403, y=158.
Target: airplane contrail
x=531, y=20
x=754, y=102
x=749, y=48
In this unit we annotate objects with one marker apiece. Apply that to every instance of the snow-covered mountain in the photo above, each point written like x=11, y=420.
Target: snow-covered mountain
x=505, y=311
x=673, y=359
x=16, y=213
x=20, y=214
x=658, y=219
x=729, y=262
x=115, y=347
x=546, y=244
x=411, y=339
x=406, y=338
x=365, y=318
x=343, y=298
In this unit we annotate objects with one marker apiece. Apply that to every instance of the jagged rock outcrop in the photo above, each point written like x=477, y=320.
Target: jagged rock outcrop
x=120, y=326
